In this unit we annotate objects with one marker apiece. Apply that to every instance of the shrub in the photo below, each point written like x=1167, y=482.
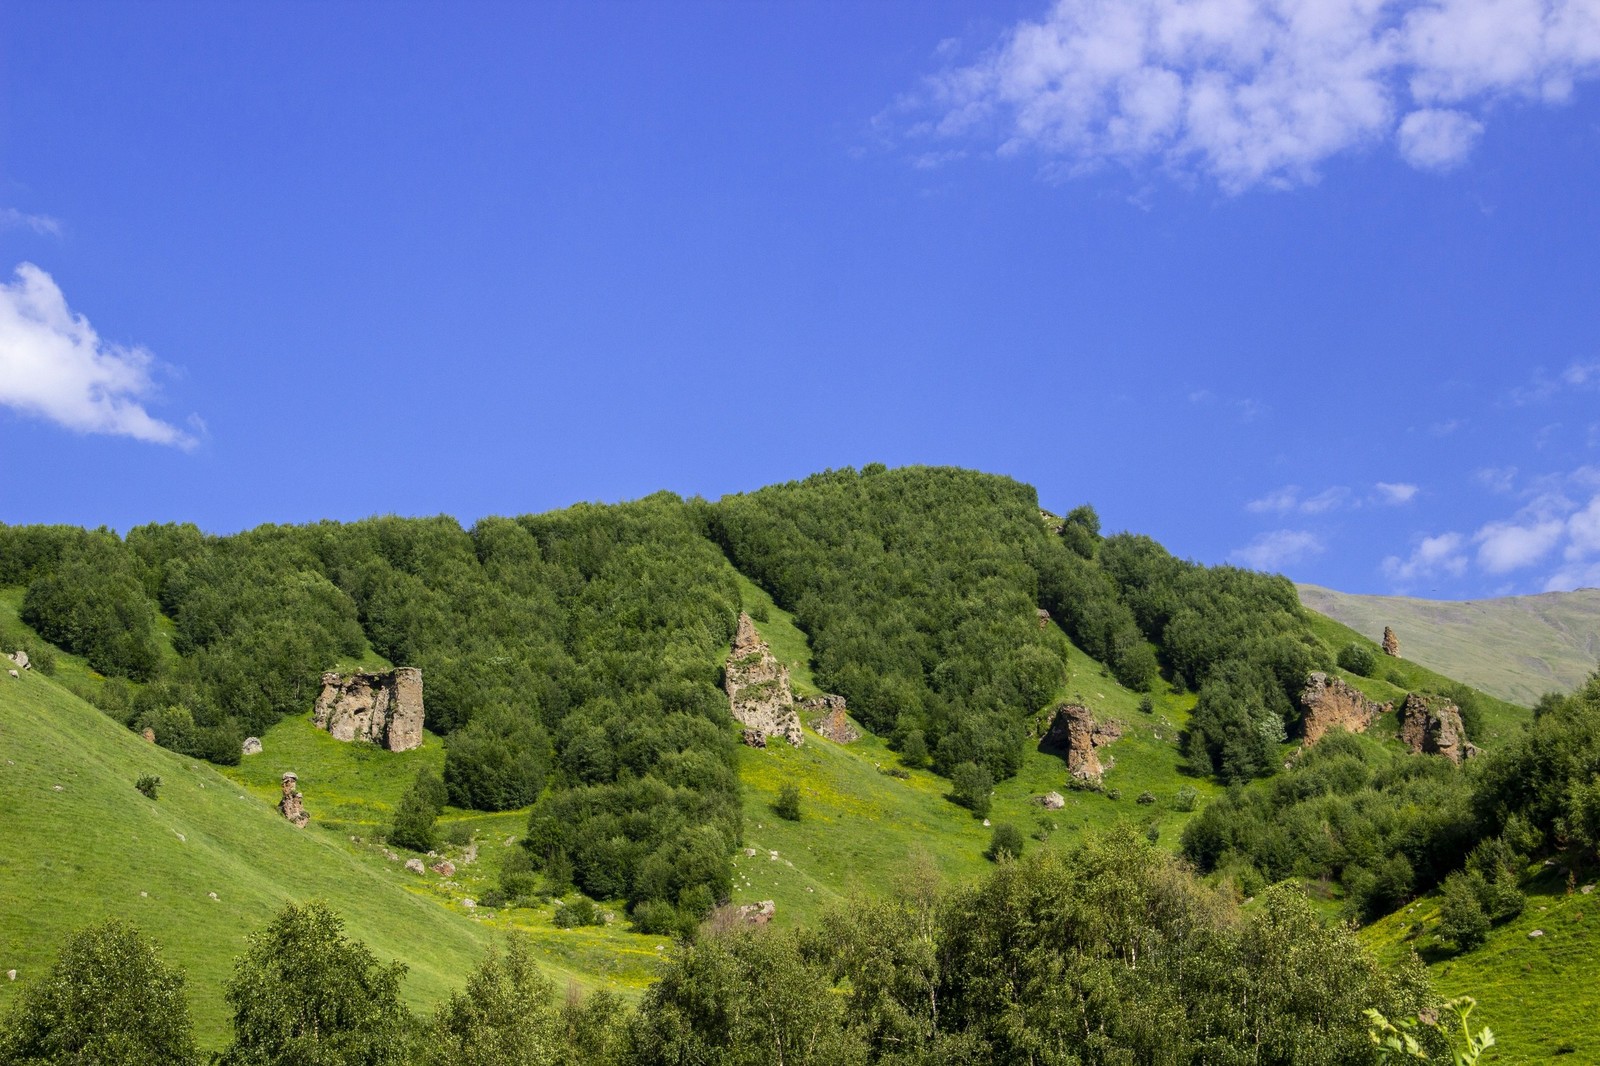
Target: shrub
x=1146, y=798
x=656, y=917
x=970, y=787
x=148, y=784
x=1462, y=920
x=419, y=807
x=1186, y=798
x=788, y=803
x=108, y=1000
x=1146, y=705
x=1357, y=659
x=1006, y=843
x=581, y=911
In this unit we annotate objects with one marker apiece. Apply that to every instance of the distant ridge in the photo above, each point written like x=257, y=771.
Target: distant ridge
x=1514, y=647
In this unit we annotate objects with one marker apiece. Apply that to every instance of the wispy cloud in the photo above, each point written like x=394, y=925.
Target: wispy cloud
x=11, y=218
x=1395, y=493
x=1280, y=548
x=53, y=364
x=1252, y=92
x=1433, y=556
x=1546, y=386
x=1496, y=478
x=1507, y=546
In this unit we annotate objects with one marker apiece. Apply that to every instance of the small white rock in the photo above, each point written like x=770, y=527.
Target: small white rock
x=1586, y=889
x=57, y=788
x=1536, y=933
x=212, y=895
x=144, y=895
x=11, y=975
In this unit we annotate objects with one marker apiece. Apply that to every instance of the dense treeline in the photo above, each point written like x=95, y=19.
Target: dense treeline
x=1389, y=827
x=916, y=588
x=1111, y=953
x=572, y=660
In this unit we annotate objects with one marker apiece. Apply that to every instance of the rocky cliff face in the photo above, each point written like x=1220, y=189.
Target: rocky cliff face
x=385, y=709
x=292, y=806
x=1075, y=735
x=1329, y=703
x=1431, y=725
x=831, y=722
x=758, y=689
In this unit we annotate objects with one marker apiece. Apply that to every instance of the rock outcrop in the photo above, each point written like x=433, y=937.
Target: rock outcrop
x=758, y=913
x=1075, y=735
x=292, y=805
x=1043, y=616
x=1431, y=725
x=1051, y=801
x=832, y=722
x=251, y=746
x=149, y=735
x=385, y=709
x=1330, y=703
x=20, y=657
x=1391, y=643
x=758, y=689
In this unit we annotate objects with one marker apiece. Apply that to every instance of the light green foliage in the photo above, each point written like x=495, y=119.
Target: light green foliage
x=1462, y=919
x=971, y=786
x=148, y=784
x=1358, y=659
x=109, y=1000
x=303, y=992
x=1399, y=1039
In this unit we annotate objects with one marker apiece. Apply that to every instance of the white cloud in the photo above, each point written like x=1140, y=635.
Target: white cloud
x=1432, y=556
x=1280, y=548
x=1574, y=576
x=1437, y=138
x=11, y=218
x=1497, y=478
x=1256, y=92
x=1504, y=546
x=1395, y=493
x=1288, y=498
x=1583, y=532
x=54, y=364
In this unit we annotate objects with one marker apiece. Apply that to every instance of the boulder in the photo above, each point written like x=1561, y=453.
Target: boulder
x=758, y=913
x=14, y=674
x=1075, y=735
x=1051, y=801
x=149, y=735
x=832, y=723
x=1043, y=616
x=1391, y=643
x=415, y=866
x=251, y=746
x=383, y=708
x=758, y=688
x=753, y=738
x=20, y=657
x=1431, y=725
x=444, y=868
x=292, y=805
x=1329, y=703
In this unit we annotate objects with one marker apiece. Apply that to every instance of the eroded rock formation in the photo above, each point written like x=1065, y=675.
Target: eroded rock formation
x=1043, y=616
x=292, y=805
x=385, y=709
x=832, y=722
x=758, y=913
x=1075, y=735
x=1391, y=643
x=1329, y=703
x=1431, y=725
x=758, y=689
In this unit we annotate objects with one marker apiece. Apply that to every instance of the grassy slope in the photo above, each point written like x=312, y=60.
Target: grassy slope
x=1517, y=647
x=98, y=848
x=1537, y=994
x=860, y=826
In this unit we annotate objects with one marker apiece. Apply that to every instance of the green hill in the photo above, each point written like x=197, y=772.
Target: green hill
x=1515, y=647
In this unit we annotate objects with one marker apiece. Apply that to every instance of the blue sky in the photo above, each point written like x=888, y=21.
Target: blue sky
x=1307, y=286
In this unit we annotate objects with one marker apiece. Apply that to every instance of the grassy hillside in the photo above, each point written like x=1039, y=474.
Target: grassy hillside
x=198, y=868
x=1536, y=993
x=1516, y=647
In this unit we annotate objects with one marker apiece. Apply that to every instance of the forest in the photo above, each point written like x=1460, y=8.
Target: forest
x=573, y=664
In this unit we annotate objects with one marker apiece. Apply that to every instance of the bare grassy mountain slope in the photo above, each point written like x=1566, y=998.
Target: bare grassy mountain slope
x=1515, y=647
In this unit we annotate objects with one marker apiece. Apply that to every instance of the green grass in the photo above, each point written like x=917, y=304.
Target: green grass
x=1516, y=647
x=1537, y=994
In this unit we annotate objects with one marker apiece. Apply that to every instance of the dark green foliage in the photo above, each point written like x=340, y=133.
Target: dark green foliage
x=497, y=761
x=971, y=787
x=917, y=589
x=109, y=1000
x=1388, y=826
x=787, y=804
x=579, y=912
x=148, y=784
x=418, y=808
x=1358, y=659
x=93, y=602
x=1462, y=919
x=1542, y=785
x=1005, y=843
x=41, y=656
x=303, y=992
